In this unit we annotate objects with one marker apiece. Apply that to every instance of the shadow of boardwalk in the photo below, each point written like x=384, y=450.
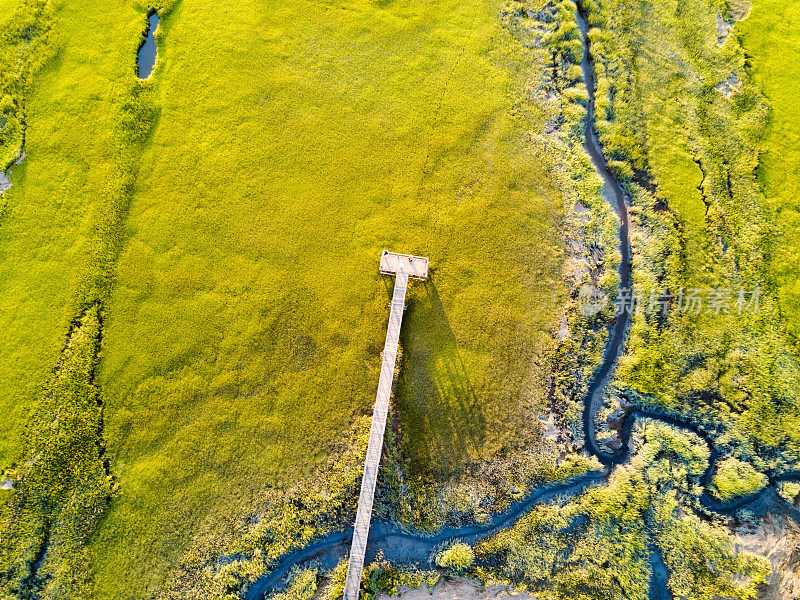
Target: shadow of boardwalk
x=439, y=411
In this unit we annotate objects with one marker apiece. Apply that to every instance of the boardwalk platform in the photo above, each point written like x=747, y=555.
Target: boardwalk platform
x=415, y=266
x=403, y=267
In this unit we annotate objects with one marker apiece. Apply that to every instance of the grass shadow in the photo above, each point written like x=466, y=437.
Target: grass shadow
x=440, y=415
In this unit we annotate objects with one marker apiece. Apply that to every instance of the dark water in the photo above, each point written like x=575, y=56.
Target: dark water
x=660, y=577
x=613, y=192
x=147, y=51
x=401, y=547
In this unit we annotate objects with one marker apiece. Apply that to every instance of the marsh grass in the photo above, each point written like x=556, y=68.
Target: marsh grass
x=770, y=37
x=228, y=214
x=50, y=213
x=734, y=478
x=291, y=144
x=25, y=46
x=705, y=224
x=64, y=483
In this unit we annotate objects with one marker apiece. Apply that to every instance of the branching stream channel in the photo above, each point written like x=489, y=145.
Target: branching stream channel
x=401, y=547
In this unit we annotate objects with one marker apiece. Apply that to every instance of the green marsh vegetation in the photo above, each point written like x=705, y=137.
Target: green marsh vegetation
x=63, y=483
x=383, y=576
x=734, y=478
x=55, y=206
x=599, y=544
x=770, y=37
x=680, y=113
x=220, y=224
x=546, y=32
x=687, y=152
x=64, y=486
x=26, y=47
x=458, y=557
x=379, y=576
x=246, y=327
x=302, y=585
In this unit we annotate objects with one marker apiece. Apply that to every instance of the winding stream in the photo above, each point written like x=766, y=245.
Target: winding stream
x=401, y=547
x=615, y=195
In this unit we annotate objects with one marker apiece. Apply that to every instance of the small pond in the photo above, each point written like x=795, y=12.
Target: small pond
x=147, y=51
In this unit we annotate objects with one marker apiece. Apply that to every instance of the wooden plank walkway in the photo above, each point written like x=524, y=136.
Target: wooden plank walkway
x=402, y=269
x=372, y=462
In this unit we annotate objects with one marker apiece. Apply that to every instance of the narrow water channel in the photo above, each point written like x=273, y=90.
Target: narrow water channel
x=146, y=58
x=615, y=195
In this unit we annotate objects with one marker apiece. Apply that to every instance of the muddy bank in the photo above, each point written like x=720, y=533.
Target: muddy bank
x=449, y=588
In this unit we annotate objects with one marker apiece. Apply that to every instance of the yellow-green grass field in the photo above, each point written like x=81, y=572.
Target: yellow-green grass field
x=771, y=37
x=294, y=142
x=44, y=235
x=6, y=10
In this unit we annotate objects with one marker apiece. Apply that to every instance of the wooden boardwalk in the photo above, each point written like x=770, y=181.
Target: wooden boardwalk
x=402, y=266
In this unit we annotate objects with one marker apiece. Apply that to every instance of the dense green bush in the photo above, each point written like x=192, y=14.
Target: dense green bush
x=380, y=576
x=736, y=478
x=457, y=557
x=302, y=585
